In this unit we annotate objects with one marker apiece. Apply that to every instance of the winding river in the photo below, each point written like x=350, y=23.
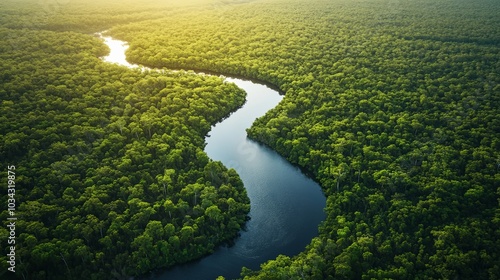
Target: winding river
x=286, y=206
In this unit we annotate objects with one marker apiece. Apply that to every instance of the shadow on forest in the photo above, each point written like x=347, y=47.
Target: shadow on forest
x=487, y=42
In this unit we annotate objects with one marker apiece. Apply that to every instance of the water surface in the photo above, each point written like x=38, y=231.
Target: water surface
x=286, y=206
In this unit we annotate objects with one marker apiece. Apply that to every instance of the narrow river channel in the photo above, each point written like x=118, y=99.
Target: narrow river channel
x=286, y=206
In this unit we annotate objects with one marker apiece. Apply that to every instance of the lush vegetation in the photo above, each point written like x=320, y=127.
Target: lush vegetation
x=392, y=106
x=112, y=179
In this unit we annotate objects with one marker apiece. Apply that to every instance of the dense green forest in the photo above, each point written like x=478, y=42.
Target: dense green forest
x=392, y=106
x=112, y=179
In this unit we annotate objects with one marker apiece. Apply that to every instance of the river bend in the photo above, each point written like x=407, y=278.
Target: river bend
x=286, y=206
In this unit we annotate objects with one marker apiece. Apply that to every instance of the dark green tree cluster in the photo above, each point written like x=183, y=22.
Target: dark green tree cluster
x=112, y=180
x=392, y=106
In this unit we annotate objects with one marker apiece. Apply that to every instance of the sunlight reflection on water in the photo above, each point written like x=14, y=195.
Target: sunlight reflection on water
x=286, y=206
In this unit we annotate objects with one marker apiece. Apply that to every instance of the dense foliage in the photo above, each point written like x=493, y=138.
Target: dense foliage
x=391, y=105
x=112, y=179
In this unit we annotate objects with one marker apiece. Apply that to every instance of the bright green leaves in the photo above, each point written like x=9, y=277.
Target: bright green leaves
x=214, y=213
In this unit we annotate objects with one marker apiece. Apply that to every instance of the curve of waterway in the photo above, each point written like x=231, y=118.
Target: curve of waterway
x=286, y=206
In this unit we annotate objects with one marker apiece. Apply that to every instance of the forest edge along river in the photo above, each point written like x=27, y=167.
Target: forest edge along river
x=286, y=206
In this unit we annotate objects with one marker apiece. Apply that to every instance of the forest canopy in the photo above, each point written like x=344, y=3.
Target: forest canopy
x=392, y=106
x=112, y=179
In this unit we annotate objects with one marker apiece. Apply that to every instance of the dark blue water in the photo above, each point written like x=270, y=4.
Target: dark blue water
x=286, y=206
